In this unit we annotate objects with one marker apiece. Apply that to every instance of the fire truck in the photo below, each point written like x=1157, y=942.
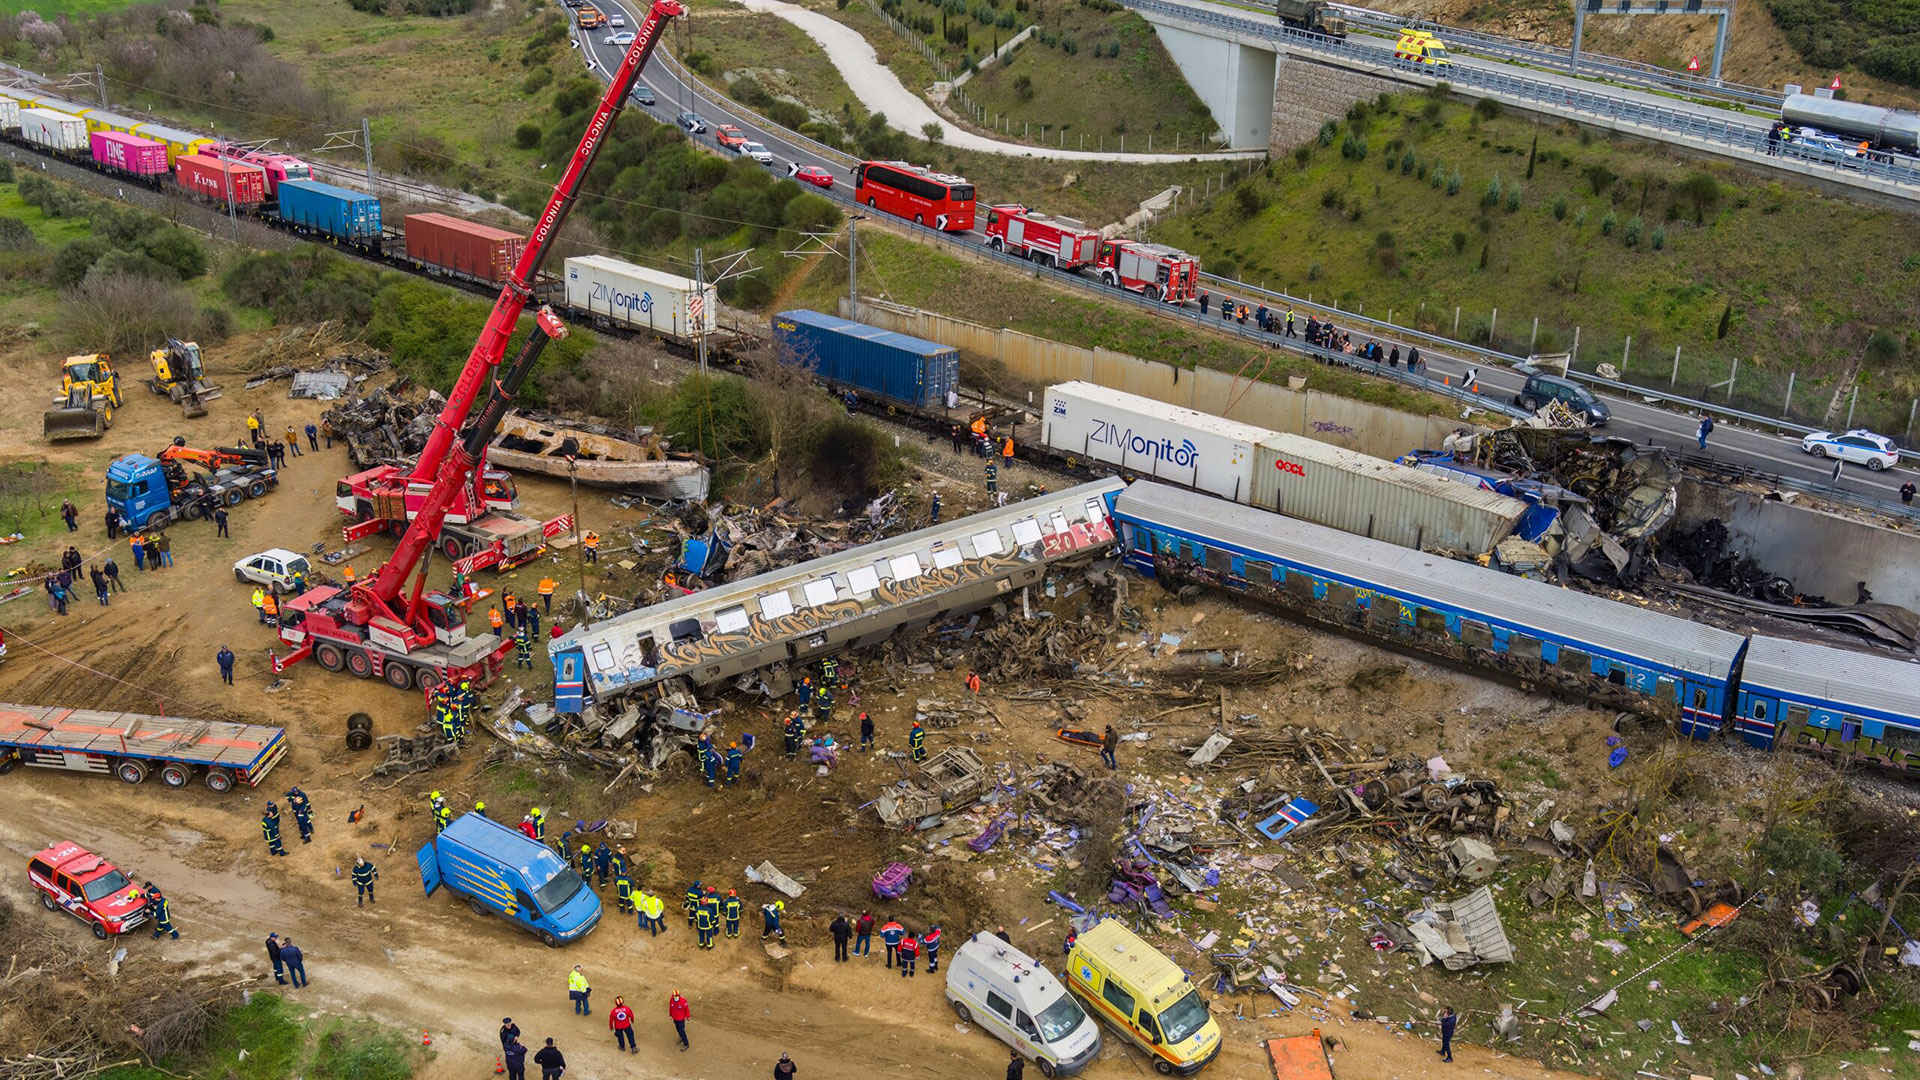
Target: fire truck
x=1155, y=272
x=388, y=623
x=1043, y=238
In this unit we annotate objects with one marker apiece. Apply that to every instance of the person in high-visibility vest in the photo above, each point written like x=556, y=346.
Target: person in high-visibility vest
x=1006, y=450
x=346, y=575
x=270, y=610
x=260, y=604
x=495, y=619
x=546, y=594
x=591, y=545
x=979, y=428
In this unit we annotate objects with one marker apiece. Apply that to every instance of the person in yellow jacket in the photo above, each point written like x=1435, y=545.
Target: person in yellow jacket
x=260, y=604
x=577, y=989
x=652, y=911
x=546, y=587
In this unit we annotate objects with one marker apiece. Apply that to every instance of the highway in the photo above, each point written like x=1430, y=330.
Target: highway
x=1633, y=418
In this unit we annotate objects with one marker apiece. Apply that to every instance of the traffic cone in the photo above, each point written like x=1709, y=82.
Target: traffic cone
x=426, y=1039
x=499, y=1064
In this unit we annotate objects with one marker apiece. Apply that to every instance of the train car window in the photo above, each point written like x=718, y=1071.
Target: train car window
x=1699, y=698
x=1384, y=611
x=685, y=630
x=1617, y=674
x=603, y=656
x=776, y=605
x=987, y=543
x=1759, y=710
x=863, y=580
x=946, y=558
x=1433, y=622
x=1522, y=647
x=1666, y=691
x=1476, y=634
x=1797, y=717
x=731, y=620
x=1026, y=532
x=1849, y=728
x=1342, y=597
x=1259, y=570
x=905, y=568
x=1096, y=510
x=1059, y=522
x=1218, y=561
x=1300, y=584
x=1900, y=739
x=821, y=591
x=1574, y=660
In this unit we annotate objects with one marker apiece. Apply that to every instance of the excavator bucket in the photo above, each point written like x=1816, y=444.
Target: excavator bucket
x=78, y=419
x=191, y=404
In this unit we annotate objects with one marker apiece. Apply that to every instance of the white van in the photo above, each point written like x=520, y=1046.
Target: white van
x=1010, y=994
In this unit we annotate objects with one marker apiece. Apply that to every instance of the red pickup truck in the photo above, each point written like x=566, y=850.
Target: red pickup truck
x=72, y=879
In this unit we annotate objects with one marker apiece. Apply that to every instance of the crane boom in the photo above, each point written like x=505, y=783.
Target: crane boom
x=492, y=344
x=444, y=460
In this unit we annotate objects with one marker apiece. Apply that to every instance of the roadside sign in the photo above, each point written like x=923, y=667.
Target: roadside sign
x=1693, y=63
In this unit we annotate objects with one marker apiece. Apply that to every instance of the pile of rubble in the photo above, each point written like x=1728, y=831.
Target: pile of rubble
x=327, y=381
x=390, y=425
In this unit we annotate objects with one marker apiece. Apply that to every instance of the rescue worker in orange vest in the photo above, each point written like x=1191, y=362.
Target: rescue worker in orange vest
x=346, y=575
x=546, y=594
x=495, y=620
x=979, y=427
x=270, y=608
x=1006, y=451
x=591, y=545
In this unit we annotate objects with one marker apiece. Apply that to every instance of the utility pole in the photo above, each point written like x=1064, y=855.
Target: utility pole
x=100, y=78
x=700, y=295
x=853, y=269
x=366, y=140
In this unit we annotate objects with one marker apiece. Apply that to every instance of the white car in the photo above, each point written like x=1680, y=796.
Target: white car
x=1860, y=446
x=617, y=20
x=757, y=152
x=274, y=568
x=622, y=39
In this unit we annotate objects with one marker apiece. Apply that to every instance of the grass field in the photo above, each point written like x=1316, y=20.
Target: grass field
x=266, y=1040
x=49, y=9
x=1605, y=238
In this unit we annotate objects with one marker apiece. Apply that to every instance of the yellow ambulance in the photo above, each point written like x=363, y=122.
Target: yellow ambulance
x=1144, y=996
x=1421, y=47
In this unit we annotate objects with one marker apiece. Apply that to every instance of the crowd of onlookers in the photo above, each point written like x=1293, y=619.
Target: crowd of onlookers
x=1317, y=333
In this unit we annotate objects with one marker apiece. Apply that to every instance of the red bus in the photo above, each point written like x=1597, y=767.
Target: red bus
x=909, y=191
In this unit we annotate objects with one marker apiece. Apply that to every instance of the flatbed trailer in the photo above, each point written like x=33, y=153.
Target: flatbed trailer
x=132, y=745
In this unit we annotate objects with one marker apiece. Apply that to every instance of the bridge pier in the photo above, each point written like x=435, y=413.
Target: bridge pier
x=1235, y=79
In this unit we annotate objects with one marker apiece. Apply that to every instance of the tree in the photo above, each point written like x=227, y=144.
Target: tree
x=128, y=313
x=932, y=131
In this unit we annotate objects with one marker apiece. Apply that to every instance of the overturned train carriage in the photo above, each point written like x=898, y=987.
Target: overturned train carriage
x=1653, y=664
x=618, y=674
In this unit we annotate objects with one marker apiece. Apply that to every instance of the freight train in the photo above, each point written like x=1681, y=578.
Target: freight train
x=279, y=190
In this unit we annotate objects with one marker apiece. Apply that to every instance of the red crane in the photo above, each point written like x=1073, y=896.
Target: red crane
x=421, y=639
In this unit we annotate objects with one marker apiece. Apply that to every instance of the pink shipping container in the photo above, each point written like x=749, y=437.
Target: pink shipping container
x=128, y=153
x=216, y=180
x=463, y=248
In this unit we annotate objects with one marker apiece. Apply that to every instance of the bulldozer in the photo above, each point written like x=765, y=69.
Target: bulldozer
x=177, y=373
x=89, y=392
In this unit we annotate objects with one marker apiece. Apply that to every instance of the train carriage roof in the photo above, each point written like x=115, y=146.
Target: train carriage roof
x=1864, y=681
x=1563, y=614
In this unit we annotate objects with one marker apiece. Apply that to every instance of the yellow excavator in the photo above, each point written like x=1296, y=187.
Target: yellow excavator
x=89, y=392
x=177, y=373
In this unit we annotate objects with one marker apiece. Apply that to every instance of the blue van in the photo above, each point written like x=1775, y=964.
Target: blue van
x=502, y=872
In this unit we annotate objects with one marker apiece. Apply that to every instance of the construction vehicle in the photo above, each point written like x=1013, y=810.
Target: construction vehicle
x=1317, y=16
x=388, y=623
x=179, y=374
x=132, y=745
x=154, y=492
x=89, y=392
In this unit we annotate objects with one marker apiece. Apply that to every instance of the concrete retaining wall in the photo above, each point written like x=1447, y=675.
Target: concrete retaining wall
x=1355, y=425
x=1307, y=93
x=1824, y=554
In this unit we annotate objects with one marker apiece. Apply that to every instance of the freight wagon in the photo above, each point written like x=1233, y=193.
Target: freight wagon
x=897, y=369
x=9, y=114
x=440, y=244
x=1150, y=438
x=102, y=120
x=224, y=183
x=315, y=208
x=1369, y=496
x=132, y=745
x=179, y=143
x=129, y=155
x=610, y=292
x=55, y=132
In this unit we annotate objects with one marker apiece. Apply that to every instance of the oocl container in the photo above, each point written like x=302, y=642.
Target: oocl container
x=639, y=298
x=463, y=248
x=1372, y=497
x=1151, y=438
x=55, y=131
x=893, y=367
x=330, y=211
x=129, y=154
x=222, y=182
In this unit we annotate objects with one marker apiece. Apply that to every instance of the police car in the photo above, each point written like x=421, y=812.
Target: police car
x=1860, y=446
x=72, y=879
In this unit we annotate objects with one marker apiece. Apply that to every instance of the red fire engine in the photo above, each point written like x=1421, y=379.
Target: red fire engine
x=1158, y=273
x=387, y=623
x=1047, y=240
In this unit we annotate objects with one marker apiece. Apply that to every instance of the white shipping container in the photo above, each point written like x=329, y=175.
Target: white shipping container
x=54, y=130
x=1372, y=497
x=1151, y=438
x=9, y=114
x=638, y=298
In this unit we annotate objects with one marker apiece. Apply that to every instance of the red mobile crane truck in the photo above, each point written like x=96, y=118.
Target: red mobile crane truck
x=409, y=636
x=1042, y=238
x=1155, y=272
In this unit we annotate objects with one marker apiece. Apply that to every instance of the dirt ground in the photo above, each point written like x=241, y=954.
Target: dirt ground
x=430, y=965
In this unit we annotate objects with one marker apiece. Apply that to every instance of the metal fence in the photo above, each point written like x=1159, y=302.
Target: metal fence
x=1748, y=137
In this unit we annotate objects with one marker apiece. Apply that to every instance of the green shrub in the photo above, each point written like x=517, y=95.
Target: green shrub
x=1486, y=108
x=1353, y=148
x=1607, y=223
x=1491, y=197
x=536, y=80
x=1453, y=182
x=527, y=135
x=1631, y=237
x=1560, y=209
x=1658, y=239
x=1407, y=163
x=1883, y=347
x=16, y=236
x=1459, y=242
x=1328, y=129
x=1513, y=198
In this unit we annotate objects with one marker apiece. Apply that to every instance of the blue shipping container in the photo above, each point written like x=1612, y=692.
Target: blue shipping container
x=893, y=367
x=330, y=211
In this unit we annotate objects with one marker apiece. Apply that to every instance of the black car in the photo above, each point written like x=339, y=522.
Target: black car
x=692, y=123
x=1542, y=388
x=643, y=94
